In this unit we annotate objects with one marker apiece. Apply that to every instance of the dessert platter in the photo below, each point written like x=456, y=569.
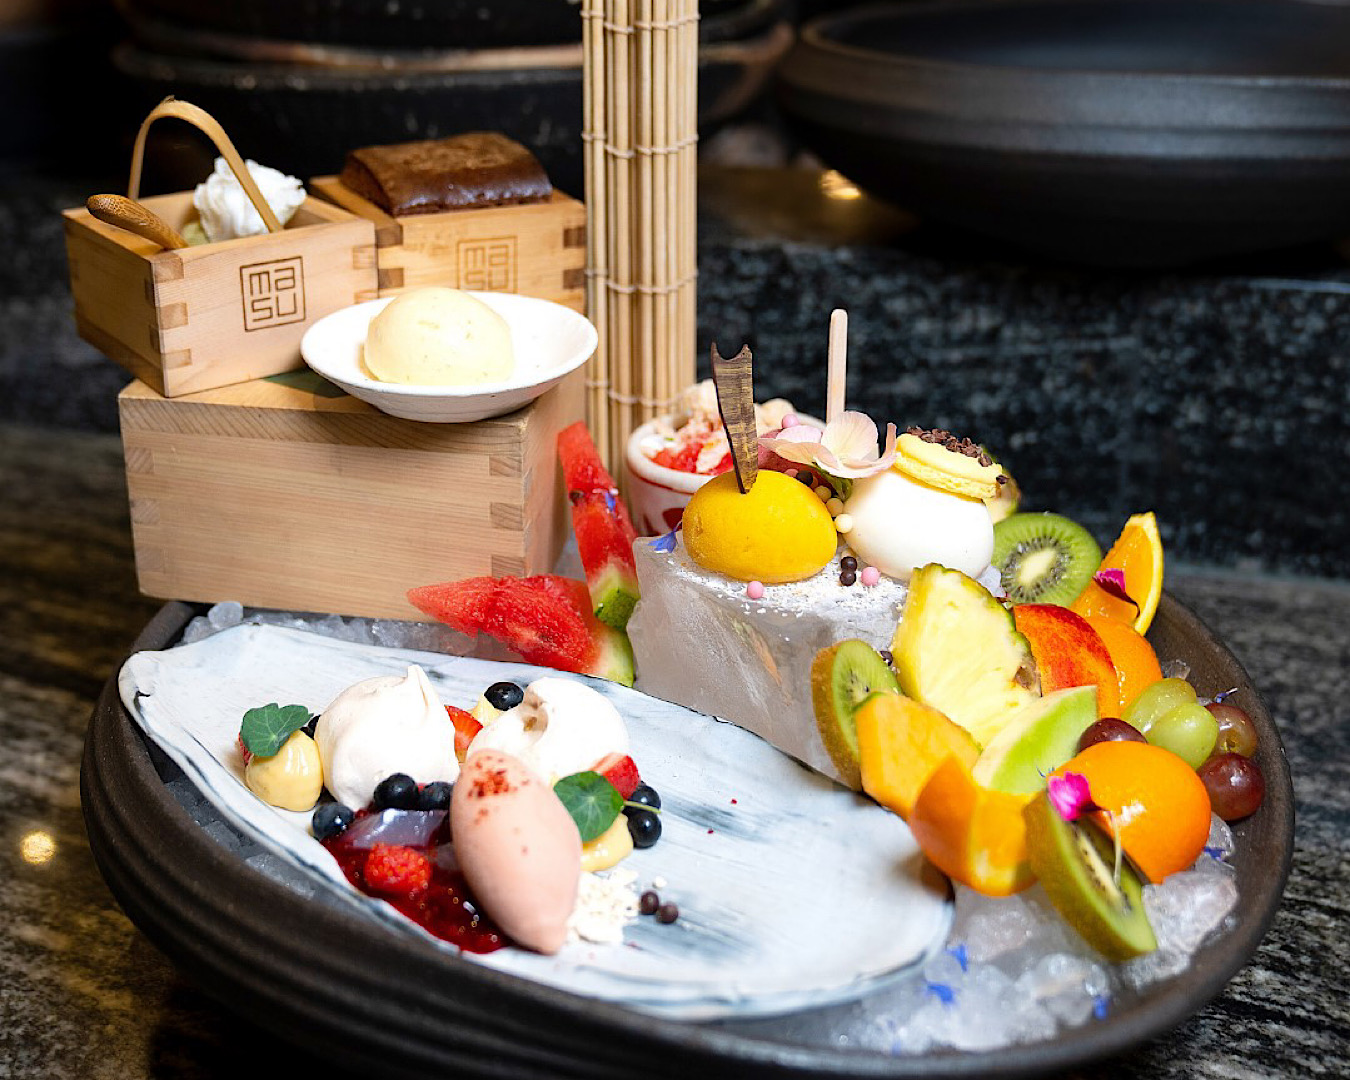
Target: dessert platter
x=755, y=968
x=849, y=765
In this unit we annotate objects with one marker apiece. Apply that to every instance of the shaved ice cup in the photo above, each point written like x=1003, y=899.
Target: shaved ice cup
x=656, y=495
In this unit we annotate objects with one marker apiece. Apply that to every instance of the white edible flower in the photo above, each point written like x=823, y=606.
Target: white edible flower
x=846, y=448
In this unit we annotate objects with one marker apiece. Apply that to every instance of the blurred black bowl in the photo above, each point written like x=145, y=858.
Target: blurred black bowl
x=371, y=24
x=1110, y=132
x=300, y=106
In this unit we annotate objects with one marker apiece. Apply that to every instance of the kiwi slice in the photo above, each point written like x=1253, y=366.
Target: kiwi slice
x=1075, y=864
x=1044, y=558
x=842, y=677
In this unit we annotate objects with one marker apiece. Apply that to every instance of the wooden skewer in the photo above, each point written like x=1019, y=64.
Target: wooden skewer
x=837, y=371
x=136, y=218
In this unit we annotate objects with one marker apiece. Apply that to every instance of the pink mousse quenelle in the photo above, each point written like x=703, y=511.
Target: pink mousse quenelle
x=517, y=847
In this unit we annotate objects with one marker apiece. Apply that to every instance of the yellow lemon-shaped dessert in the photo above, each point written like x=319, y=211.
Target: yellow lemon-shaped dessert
x=778, y=531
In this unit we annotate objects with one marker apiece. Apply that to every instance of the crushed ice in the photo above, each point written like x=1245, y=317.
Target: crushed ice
x=1012, y=971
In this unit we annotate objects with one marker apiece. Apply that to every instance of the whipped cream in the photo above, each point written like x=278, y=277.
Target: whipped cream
x=561, y=727
x=389, y=724
x=227, y=213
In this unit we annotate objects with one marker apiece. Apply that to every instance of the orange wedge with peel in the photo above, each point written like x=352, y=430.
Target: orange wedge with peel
x=973, y=834
x=1132, y=656
x=1138, y=553
x=1151, y=799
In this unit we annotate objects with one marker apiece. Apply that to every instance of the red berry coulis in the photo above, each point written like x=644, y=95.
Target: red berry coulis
x=444, y=908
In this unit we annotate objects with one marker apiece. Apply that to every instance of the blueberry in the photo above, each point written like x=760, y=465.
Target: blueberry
x=645, y=795
x=308, y=729
x=504, y=695
x=395, y=792
x=644, y=826
x=331, y=819
x=435, y=796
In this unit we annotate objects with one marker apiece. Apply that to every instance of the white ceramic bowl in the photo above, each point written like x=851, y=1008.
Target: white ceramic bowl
x=550, y=342
x=657, y=495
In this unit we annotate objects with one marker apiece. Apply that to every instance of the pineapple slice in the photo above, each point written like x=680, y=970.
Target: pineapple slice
x=957, y=650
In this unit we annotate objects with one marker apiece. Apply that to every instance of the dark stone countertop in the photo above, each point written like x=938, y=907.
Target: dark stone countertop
x=84, y=995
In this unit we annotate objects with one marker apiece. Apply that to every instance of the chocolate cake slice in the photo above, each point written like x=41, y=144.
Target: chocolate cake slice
x=478, y=168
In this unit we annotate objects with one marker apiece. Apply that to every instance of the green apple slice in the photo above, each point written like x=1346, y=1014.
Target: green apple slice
x=1042, y=736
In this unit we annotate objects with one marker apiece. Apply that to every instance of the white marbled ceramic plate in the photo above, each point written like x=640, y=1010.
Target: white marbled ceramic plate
x=793, y=892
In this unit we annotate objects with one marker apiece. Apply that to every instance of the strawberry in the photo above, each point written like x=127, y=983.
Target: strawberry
x=621, y=771
x=244, y=751
x=396, y=870
x=466, y=727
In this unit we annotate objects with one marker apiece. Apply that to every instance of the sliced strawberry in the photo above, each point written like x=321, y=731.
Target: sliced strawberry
x=466, y=727
x=244, y=751
x=621, y=771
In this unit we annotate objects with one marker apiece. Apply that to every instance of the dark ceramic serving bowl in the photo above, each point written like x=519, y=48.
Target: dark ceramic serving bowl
x=1112, y=132
x=300, y=109
x=352, y=990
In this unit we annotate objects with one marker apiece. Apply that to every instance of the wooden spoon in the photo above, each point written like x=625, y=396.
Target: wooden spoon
x=136, y=218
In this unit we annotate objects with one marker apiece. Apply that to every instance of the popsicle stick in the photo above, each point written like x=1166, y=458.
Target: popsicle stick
x=734, y=380
x=837, y=370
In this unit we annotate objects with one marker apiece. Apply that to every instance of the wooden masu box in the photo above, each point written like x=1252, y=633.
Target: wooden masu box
x=204, y=316
x=207, y=316
x=535, y=249
x=287, y=493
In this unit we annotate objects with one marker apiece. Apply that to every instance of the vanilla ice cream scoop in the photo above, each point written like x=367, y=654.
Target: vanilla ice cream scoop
x=900, y=524
x=389, y=724
x=226, y=212
x=560, y=728
x=439, y=337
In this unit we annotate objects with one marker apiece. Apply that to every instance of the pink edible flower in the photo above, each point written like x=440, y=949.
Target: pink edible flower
x=1113, y=582
x=847, y=447
x=1069, y=795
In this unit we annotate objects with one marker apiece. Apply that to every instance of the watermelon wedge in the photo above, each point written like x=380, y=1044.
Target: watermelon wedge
x=547, y=619
x=603, y=529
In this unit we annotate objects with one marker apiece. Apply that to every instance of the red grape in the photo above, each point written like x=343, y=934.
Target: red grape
x=1237, y=733
x=1109, y=729
x=1235, y=784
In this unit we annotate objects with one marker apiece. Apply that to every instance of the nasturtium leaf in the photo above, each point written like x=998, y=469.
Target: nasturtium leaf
x=265, y=729
x=592, y=801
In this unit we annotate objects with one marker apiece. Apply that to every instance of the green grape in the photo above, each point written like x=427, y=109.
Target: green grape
x=1188, y=730
x=1155, y=700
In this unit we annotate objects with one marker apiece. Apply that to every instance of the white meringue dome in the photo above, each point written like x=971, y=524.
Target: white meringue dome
x=900, y=525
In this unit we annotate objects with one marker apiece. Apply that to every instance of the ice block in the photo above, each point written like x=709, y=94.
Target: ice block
x=700, y=641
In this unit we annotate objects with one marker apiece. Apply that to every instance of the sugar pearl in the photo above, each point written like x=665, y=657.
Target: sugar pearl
x=755, y=590
x=790, y=420
x=791, y=472
x=844, y=522
x=870, y=575
x=835, y=506
x=822, y=492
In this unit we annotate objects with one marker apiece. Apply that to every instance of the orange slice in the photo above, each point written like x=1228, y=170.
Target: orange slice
x=1132, y=656
x=1138, y=552
x=1151, y=798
